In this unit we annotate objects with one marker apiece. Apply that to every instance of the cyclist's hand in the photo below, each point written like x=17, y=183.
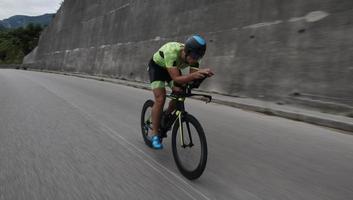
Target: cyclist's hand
x=207, y=72
x=198, y=75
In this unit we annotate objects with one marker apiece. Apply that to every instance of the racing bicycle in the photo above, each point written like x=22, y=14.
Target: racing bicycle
x=188, y=137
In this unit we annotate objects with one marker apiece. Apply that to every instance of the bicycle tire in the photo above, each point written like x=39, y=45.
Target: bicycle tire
x=197, y=172
x=148, y=104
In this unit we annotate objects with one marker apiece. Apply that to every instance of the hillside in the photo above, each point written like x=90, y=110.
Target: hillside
x=22, y=21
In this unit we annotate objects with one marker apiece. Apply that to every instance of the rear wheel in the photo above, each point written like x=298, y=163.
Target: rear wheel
x=189, y=147
x=146, y=121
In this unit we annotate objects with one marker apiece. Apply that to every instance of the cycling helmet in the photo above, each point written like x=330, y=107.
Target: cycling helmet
x=195, y=46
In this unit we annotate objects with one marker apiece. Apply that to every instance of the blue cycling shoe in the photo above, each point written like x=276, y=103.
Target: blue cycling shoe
x=156, y=142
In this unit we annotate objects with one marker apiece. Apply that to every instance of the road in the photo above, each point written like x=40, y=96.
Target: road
x=64, y=137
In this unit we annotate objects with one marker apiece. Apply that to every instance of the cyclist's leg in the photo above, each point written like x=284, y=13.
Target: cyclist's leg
x=176, y=89
x=159, y=92
x=158, y=76
x=172, y=103
x=159, y=98
x=171, y=106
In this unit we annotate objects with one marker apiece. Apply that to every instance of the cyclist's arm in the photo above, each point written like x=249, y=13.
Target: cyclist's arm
x=175, y=73
x=182, y=79
x=206, y=71
x=178, y=78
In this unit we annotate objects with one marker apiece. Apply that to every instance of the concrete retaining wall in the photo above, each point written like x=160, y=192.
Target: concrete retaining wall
x=291, y=51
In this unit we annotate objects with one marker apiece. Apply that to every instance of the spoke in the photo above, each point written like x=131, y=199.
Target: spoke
x=148, y=121
x=148, y=124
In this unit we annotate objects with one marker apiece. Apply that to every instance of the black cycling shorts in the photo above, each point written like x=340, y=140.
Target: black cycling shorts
x=158, y=73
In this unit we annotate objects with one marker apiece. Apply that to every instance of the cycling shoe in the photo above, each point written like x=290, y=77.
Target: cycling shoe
x=156, y=142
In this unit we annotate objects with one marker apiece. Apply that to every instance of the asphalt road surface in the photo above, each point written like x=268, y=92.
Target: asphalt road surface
x=64, y=137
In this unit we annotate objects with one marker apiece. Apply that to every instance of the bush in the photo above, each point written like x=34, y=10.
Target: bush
x=16, y=43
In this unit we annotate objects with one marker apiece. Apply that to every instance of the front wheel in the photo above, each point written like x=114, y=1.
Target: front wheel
x=189, y=147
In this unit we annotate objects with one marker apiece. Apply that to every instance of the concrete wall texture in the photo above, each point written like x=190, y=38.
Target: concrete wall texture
x=278, y=50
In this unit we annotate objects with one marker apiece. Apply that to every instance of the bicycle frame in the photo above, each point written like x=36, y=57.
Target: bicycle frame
x=179, y=112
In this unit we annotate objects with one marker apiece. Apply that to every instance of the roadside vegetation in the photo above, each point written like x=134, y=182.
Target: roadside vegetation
x=16, y=43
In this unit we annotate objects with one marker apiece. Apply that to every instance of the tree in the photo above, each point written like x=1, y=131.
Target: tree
x=16, y=43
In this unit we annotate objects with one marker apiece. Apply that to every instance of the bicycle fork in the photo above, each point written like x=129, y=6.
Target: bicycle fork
x=181, y=131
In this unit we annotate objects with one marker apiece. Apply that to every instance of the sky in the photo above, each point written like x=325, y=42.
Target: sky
x=9, y=8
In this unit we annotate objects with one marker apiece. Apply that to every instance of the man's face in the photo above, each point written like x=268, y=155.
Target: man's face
x=191, y=59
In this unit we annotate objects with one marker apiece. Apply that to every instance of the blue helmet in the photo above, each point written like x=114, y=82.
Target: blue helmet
x=195, y=46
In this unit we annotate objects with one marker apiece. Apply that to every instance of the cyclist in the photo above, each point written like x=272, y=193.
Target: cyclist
x=165, y=66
